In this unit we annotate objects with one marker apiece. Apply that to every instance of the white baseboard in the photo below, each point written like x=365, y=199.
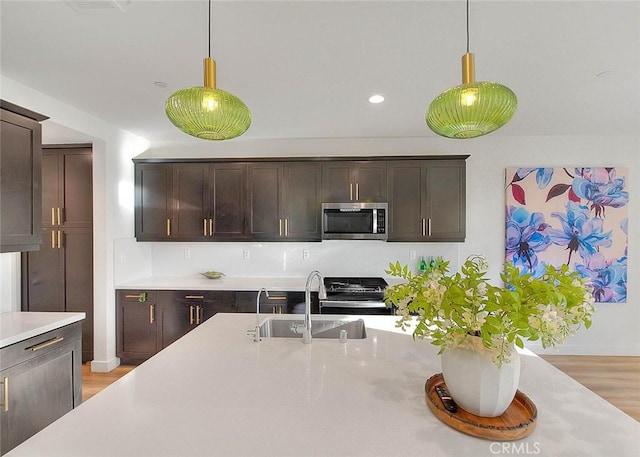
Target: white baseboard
x=104, y=366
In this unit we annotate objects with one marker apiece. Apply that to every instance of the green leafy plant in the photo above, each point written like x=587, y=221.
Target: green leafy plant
x=448, y=308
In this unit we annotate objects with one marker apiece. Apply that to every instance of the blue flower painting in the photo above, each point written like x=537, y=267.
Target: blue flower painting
x=575, y=216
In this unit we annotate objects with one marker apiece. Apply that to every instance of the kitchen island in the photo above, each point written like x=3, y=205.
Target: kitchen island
x=216, y=392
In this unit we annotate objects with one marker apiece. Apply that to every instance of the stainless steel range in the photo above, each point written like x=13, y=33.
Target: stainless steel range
x=351, y=295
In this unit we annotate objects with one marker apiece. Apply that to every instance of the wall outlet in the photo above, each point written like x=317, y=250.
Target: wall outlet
x=187, y=253
x=246, y=254
x=305, y=253
x=412, y=255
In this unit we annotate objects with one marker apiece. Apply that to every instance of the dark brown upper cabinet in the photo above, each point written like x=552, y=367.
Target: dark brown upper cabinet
x=347, y=181
x=20, y=178
x=190, y=201
x=153, y=201
x=209, y=201
x=284, y=201
x=280, y=199
x=426, y=200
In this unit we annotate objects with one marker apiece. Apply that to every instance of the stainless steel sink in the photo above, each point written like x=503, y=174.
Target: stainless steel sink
x=320, y=328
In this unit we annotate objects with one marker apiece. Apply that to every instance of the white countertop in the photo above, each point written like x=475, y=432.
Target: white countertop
x=237, y=283
x=19, y=326
x=199, y=282
x=215, y=392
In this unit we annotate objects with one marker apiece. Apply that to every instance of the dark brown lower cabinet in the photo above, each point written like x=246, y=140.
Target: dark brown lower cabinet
x=136, y=325
x=182, y=311
x=148, y=321
x=42, y=380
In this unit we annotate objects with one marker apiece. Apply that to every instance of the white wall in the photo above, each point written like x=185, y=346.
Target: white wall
x=118, y=258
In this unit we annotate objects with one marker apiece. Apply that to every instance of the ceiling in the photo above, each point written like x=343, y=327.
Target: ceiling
x=305, y=69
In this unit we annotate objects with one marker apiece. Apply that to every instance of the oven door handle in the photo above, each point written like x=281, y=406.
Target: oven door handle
x=353, y=304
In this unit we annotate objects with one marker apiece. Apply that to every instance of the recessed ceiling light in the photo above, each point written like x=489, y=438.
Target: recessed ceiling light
x=377, y=98
x=160, y=84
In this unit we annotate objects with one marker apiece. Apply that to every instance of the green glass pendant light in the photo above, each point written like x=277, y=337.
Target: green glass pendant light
x=206, y=112
x=472, y=109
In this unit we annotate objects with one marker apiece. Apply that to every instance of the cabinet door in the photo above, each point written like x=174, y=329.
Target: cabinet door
x=40, y=391
x=370, y=181
x=77, y=268
x=76, y=187
x=51, y=189
x=406, y=180
x=301, y=201
x=136, y=325
x=347, y=181
x=43, y=284
x=265, y=222
x=44, y=385
x=445, y=195
x=153, y=182
x=189, y=192
x=227, y=201
x=337, y=185
x=176, y=320
x=20, y=183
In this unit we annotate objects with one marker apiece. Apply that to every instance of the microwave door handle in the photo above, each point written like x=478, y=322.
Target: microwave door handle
x=375, y=221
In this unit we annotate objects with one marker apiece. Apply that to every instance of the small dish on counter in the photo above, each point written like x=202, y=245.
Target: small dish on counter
x=212, y=274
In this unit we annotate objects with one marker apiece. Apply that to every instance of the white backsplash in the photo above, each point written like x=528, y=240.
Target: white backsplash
x=331, y=258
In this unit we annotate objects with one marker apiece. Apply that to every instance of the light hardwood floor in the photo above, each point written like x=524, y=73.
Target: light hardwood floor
x=616, y=379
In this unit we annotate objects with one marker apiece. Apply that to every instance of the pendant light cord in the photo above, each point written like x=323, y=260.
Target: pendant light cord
x=467, y=26
x=210, y=29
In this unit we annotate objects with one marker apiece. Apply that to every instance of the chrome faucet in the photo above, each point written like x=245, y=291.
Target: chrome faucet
x=256, y=336
x=322, y=294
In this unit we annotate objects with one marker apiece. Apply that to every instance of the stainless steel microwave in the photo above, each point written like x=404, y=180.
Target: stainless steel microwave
x=354, y=221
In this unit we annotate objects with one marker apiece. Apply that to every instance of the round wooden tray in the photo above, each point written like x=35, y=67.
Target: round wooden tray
x=518, y=421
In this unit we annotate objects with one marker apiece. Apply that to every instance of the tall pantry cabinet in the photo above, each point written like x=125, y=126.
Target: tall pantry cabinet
x=59, y=277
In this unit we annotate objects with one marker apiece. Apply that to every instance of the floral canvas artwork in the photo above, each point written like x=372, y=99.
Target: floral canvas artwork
x=574, y=216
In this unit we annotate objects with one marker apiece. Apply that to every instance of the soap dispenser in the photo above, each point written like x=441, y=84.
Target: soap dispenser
x=422, y=266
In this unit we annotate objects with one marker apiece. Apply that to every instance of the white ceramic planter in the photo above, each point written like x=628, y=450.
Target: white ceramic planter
x=476, y=383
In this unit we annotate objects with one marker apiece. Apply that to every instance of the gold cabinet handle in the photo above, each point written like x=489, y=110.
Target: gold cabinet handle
x=191, y=320
x=198, y=311
x=168, y=227
x=5, y=388
x=53, y=239
x=211, y=227
x=429, y=226
x=286, y=227
x=37, y=347
x=350, y=191
x=424, y=227
x=204, y=227
x=152, y=317
x=59, y=212
x=53, y=216
x=194, y=297
x=357, y=191
x=279, y=227
x=142, y=297
x=59, y=239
